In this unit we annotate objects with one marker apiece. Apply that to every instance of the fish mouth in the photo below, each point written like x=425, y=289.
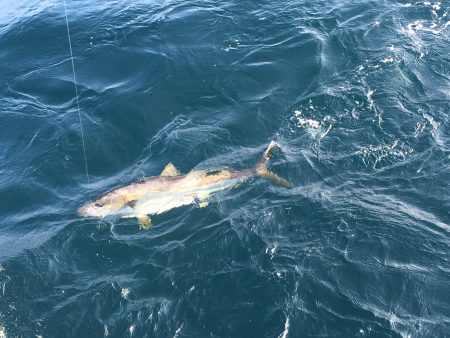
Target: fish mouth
x=91, y=210
x=86, y=211
x=82, y=211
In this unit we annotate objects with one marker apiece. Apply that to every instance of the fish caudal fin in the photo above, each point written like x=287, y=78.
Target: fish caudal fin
x=263, y=171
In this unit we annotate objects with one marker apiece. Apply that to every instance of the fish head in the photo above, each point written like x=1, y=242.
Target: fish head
x=107, y=205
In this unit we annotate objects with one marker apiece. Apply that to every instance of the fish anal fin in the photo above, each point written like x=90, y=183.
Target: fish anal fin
x=170, y=170
x=144, y=222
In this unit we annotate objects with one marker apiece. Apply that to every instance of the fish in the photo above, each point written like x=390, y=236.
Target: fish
x=171, y=189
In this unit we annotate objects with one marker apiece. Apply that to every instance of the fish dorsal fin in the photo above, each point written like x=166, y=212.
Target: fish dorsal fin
x=170, y=170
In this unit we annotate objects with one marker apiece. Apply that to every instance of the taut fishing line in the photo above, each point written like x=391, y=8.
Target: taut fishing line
x=78, y=101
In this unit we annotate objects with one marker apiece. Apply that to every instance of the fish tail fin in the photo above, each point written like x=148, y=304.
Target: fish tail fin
x=263, y=171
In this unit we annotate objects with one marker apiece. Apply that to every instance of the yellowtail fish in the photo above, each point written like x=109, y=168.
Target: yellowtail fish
x=172, y=189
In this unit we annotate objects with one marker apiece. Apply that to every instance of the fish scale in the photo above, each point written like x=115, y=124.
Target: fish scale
x=171, y=190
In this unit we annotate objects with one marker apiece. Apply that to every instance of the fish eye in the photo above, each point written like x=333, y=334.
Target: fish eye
x=213, y=172
x=98, y=204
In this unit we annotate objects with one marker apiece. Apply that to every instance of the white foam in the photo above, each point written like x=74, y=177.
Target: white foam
x=286, y=329
x=436, y=6
x=125, y=292
x=369, y=97
x=419, y=128
x=272, y=251
x=376, y=154
x=434, y=129
x=388, y=60
x=405, y=266
x=432, y=122
x=2, y=332
x=306, y=122
x=415, y=26
x=177, y=332
x=325, y=133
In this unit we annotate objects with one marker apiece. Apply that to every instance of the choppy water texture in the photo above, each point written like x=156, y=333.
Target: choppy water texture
x=356, y=92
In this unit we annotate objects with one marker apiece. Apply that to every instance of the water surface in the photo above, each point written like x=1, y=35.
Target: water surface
x=357, y=93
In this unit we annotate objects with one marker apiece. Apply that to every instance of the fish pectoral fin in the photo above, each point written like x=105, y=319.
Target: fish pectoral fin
x=170, y=171
x=201, y=200
x=144, y=222
x=203, y=204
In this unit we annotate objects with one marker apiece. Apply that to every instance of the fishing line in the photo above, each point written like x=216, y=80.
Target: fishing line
x=78, y=101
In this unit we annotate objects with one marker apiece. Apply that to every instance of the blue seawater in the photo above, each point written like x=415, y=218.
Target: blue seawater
x=357, y=93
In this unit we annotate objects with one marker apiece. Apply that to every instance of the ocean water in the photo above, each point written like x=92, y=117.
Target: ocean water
x=357, y=93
